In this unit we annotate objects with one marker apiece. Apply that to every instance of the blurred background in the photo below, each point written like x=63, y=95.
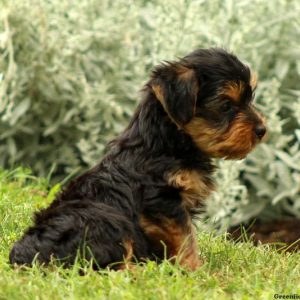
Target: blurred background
x=71, y=71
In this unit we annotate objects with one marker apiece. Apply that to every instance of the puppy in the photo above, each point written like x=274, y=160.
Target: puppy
x=139, y=201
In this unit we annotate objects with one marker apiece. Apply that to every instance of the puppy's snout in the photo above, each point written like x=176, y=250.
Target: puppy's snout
x=260, y=131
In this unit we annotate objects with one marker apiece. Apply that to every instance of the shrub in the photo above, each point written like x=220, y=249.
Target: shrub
x=70, y=73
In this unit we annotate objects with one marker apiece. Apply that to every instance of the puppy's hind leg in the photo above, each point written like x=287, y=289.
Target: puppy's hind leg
x=96, y=230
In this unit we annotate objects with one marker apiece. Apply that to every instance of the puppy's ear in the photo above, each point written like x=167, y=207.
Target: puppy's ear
x=176, y=88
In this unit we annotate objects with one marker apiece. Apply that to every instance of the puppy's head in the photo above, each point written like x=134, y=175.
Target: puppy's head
x=209, y=95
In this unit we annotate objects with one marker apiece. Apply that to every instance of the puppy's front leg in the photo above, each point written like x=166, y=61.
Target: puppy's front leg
x=187, y=254
x=172, y=238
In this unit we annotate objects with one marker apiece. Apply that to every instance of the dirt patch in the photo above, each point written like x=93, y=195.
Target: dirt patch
x=284, y=234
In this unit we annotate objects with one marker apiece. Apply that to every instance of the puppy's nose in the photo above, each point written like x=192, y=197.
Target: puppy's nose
x=260, y=131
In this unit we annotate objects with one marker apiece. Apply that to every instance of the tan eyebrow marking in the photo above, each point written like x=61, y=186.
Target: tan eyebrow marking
x=233, y=90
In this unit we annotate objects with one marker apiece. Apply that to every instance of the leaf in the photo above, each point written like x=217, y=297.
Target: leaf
x=281, y=68
x=287, y=159
x=19, y=111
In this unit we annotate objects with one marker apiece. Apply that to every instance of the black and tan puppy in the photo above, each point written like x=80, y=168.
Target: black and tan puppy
x=138, y=202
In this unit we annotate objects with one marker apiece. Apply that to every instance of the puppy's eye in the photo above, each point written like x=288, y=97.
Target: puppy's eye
x=227, y=107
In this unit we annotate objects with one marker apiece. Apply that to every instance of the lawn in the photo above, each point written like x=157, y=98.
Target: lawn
x=231, y=270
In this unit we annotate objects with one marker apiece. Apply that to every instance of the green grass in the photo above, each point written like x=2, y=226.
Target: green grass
x=231, y=271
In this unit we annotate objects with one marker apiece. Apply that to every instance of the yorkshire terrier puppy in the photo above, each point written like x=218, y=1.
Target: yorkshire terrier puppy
x=139, y=201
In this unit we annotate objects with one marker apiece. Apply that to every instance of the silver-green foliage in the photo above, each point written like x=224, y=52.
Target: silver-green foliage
x=70, y=72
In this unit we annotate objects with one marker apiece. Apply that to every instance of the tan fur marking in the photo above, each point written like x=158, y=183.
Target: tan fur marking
x=233, y=143
x=202, y=133
x=167, y=231
x=127, y=264
x=233, y=90
x=129, y=250
x=195, y=187
x=158, y=93
x=180, y=242
x=184, y=73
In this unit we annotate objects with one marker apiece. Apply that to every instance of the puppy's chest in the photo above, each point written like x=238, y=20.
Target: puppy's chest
x=193, y=185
